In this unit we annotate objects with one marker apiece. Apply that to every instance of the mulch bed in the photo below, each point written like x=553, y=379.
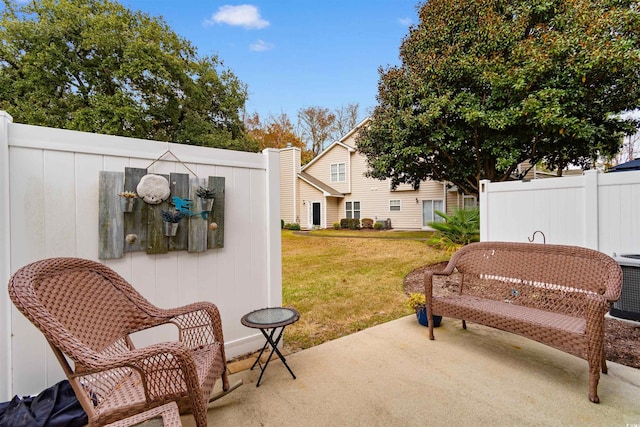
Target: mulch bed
x=622, y=339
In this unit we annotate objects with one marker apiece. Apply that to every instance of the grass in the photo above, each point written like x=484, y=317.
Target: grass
x=344, y=285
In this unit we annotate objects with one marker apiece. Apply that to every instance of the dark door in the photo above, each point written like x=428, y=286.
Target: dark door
x=316, y=214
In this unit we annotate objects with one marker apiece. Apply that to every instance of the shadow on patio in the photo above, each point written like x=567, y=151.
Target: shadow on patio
x=393, y=375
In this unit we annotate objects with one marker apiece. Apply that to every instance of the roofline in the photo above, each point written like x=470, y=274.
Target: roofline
x=325, y=193
x=326, y=150
x=355, y=129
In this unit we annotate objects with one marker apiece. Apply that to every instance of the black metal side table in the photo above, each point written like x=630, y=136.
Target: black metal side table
x=270, y=319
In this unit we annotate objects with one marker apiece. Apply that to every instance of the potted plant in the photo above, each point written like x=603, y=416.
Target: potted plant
x=129, y=198
x=417, y=303
x=171, y=219
x=205, y=196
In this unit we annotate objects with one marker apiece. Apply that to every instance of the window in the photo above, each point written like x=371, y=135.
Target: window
x=338, y=172
x=352, y=210
x=394, y=205
x=428, y=211
x=469, y=202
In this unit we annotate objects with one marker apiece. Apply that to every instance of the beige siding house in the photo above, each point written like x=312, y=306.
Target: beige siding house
x=333, y=186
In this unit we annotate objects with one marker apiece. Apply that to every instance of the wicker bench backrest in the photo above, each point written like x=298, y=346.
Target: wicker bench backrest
x=551, y=277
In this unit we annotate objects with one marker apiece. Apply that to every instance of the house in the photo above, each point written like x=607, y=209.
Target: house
x=333, y=186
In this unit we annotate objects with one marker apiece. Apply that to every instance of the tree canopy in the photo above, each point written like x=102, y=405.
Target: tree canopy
x=276, y=132
x=96, y=66
x=487, y=84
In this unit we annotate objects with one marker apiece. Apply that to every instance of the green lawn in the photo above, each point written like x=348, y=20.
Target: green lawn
x=343, y=285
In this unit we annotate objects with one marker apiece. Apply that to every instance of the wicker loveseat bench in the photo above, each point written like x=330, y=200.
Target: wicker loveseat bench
x=556, y=295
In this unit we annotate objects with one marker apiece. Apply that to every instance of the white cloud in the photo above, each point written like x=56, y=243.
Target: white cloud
x=405, y=21
x=261, y=46
x=244, y=15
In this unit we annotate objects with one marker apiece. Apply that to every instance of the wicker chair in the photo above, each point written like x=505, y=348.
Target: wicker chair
x=87, y=312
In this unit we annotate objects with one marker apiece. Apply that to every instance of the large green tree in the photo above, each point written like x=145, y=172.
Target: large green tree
x=487, y=84
x=94, y=65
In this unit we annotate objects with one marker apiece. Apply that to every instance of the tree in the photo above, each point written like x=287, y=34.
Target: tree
x=346, y=119
x=96, y=66
x=486, y=84
x=276, y=132
x=316, y=126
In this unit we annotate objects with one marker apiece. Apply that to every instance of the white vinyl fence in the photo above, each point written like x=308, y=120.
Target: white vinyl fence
x=49, y=207
x=595, y=210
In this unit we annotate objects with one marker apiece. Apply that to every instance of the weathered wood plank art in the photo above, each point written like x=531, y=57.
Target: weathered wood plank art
x=142, y=227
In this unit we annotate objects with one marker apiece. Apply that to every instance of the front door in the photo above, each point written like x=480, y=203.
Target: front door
x=315, y=214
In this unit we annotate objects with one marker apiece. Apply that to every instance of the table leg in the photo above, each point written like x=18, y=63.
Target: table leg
x=274, y=346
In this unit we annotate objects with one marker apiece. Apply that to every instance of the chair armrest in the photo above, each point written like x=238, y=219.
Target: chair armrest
x=199, y=323
x=164, y=368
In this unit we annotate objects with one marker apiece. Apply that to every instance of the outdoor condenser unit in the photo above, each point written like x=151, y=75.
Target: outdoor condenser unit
x=628, y=306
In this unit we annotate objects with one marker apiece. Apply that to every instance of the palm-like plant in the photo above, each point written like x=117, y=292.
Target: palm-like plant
x=458, y=229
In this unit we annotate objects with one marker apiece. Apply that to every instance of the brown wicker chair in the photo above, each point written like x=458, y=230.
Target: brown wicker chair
x=554, y=294
x=87, y=312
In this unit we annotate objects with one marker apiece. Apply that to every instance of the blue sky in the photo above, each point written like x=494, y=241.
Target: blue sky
x=295, y=53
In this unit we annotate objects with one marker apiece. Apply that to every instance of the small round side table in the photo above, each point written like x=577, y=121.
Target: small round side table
x=268, y=320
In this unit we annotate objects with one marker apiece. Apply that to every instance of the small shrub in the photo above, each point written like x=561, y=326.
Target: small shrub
x=282, y=224
x=344, y=223
x=354, y=224
x=292, y=226
x=336, y=226
x=377, y=226
x=367, y=223
x=458, y=229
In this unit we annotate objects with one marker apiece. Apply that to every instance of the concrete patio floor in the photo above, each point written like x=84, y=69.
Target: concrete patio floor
x=393, y=375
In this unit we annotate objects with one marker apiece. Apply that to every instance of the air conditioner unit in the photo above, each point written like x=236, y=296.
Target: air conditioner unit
x=628, y=306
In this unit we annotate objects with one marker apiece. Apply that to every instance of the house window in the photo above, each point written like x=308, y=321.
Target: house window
x=338, y=172
x=394, y=205
x=428, y=211
x=352, y=210
x=469, y=202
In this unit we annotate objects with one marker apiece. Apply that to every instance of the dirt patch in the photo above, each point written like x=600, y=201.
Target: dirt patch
x=622, y=339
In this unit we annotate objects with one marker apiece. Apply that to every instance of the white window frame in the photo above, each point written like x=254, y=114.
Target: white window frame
x=350, y=213
x=395, y=203
x=337, y=174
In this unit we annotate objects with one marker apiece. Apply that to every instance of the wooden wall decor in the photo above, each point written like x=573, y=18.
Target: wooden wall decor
x=142, y=228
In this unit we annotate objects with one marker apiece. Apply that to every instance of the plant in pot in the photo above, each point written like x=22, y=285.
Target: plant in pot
x=171, y=219
x=417, y=303
x=206, y=196
x=129, y=198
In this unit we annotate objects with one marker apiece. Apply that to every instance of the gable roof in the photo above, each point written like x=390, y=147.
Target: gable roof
x=356, y=128
x=326, y=150
x=314, y=182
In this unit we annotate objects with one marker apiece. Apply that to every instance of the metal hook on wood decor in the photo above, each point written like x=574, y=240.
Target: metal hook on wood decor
x=532, y=238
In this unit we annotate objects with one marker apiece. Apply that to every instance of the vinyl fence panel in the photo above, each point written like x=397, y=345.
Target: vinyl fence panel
x=595, y=210
x=49, y=207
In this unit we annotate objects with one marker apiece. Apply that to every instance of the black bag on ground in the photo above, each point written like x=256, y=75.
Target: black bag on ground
x=56, y=406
